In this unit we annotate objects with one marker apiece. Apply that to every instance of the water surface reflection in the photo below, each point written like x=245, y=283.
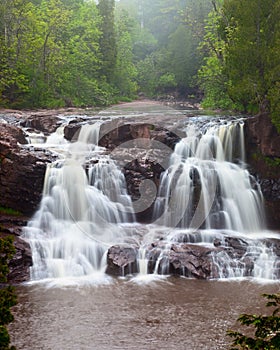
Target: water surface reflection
x=174, y=313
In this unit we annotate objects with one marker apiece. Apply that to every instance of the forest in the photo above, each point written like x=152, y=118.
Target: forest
x=56, y=53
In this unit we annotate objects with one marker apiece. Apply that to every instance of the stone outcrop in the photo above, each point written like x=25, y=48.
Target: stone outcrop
x=22, y=171
x=262, y=133
x=263, y=156
x=121, y=260
x=21, y=262
x=221, y=259
x=47, y=122
x=19, y=265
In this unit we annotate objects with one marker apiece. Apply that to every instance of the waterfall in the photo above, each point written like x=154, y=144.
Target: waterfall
x=207, y=185
x=83, y=206
x=205, y=195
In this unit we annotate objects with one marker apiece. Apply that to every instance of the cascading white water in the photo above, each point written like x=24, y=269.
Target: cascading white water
x=204, y=188
x=208, y=190
x=206, y=193
x=83, y=200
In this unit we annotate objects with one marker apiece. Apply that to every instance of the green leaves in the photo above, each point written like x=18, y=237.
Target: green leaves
x=244, y=37
x=7, y=295
x=7, y=250
x=267, y=328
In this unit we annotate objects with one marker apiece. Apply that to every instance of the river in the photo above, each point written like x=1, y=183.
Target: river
x=174, y=313
x=72, y=304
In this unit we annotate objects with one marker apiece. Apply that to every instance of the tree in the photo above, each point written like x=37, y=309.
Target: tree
x=250, y=37
x=184, y=61
x=108, y=38
x=267, y=328
x=242, y=38
x=80, y=83
x=125, y=70
x=7, y=294
x=13, y=82
x=212, y=76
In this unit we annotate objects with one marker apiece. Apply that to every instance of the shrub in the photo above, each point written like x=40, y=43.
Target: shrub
x=267, y=328
x=7, y=294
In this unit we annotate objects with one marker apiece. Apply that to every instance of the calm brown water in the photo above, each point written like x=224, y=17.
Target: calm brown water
x=175, y=313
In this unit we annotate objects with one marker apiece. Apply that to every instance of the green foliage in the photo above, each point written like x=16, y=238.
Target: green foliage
x=213, y=82
x=242, y=63
x=166, y=82
x=9, y=211
x=267, y=328
x=183, y=57
x=273, y=162
x=7, y=295
x=76, y=53
x=7, y=250
x=108, y=43
x=51, y=54
x=124, y=76
x=274, y=98
x=165, y=43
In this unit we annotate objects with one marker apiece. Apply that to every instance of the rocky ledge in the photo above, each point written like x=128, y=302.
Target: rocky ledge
x=225, y=257
x=22, y=172
x=19, y=265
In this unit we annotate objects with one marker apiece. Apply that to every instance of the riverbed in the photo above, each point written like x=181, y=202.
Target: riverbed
x=172, y=313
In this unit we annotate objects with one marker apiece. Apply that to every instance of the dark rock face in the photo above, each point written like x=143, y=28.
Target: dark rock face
x=135, y=173
x=222, y=259
x=20, y=263
x=190, y=260
x=263, y=154
x=262, y=133
x=22, y=172
x=121, y=260
x=47, y=122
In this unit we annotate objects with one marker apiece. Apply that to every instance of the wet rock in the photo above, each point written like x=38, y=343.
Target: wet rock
x=136, y=173
x=190, y=260
x=11, y=135
x=273, y=244
x=227, y=257
x=122, y=260
x=70, y=131
x=21, y=262
x=262, y=143
x=271, y=189
x=237, y=247
x=22, y=172
x=47, y=122
x=19, y=265
x=119, y=132
x=263, y=133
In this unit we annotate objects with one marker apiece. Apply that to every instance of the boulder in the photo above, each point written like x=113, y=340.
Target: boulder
x=121, y=260
x=45, y=122
x=190, y=260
